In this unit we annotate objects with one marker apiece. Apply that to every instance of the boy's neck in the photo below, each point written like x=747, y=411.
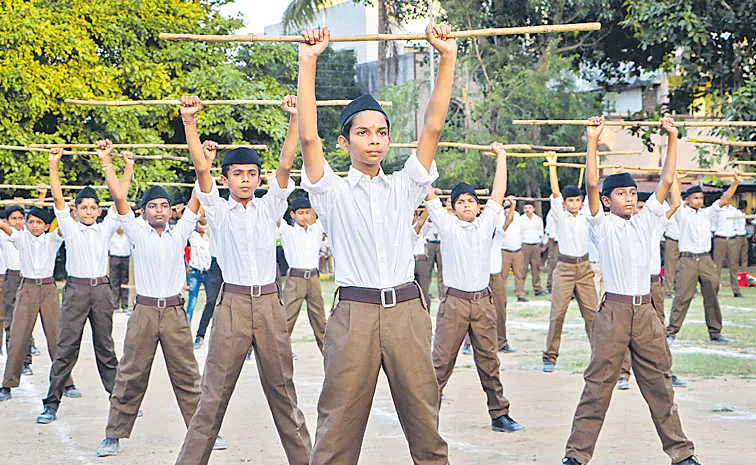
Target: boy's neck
x=368, y=170
x=242, y=201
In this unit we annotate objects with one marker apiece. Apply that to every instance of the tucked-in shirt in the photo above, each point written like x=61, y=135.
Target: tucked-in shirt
x=740, y=223
x=512, y=241
x=301, y=247
x=369, y=221
x=726, y=221
x=532, y=229
x=496, y=262
x=159, y=270
x=466, y=247
x=37, y=253
x=655, y=250
x=624, y=245
x=199, y=251
x=3, y=267
x=86, y=246
x=418, y=241
x=550, y=230
x=673, y=229
x=573, y=230
x=120, y=245
x=10, y=253
x=429, y=231
x=695, y=227
x=246, y=236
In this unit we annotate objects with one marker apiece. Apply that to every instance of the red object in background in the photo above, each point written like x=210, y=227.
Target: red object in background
x=746, y=279
x=662, y=272
x=187, y=254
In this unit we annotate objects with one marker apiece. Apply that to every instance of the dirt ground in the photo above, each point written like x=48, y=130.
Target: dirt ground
x=719, y=414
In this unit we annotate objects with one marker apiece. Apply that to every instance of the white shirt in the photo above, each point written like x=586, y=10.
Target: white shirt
x=368, y=221
x=120, y=245
x=623, y=247
x=199, y=251
x=740, y=223
x=512, y=241
x=86, y=246
x=159, y=270
x=725, y=223
x=532, y=229
x=3, y=267
x=658, y=234
x=673, y=228
x=550, y=230
x=496, y=262
x=429, y=231
x=418, y=241
x=10, y=253
x=246, y=236
x=466, y=247
x=695, y=227
x=572, y=229
x=37, y=254
x=301, y=247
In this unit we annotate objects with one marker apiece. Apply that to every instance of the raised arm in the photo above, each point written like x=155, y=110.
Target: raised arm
x=435, y=114
x=675, y=195
x=499, y=188
x=57, y=193
x=667, y=177
x=104, y=149
x=128, y=172
x=190, y=106
x=729, y=193
x=289, y=150
x=307, y=111
x=5, y=227
x=551, y=157
x=510, y=213
x=42, y=189
x=591, y=165
x=421, y=221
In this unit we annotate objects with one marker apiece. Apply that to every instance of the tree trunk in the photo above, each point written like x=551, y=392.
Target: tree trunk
x=383, y=27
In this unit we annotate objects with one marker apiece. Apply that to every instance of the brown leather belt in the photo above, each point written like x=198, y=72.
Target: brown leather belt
x=670, y=239
x=479, y=295
x=254, y=291
x=573, y=260
x=629, y=299
x=38, y=281
x=306, y=274
x=724, y=238
x=693, y=255
x=655, y=278
x=422, y=258
x=12, y=273
x=174, y=301
x=387, y=298
x=91, y=281
x=510, y=251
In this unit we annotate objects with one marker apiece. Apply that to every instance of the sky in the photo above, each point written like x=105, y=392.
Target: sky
x=257, y=13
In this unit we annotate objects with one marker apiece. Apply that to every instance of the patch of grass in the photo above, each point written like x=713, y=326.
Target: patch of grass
x=707, y=366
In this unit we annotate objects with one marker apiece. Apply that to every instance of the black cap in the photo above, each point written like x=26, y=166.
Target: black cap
x=241, y=156
x=644, y=196
x=571, y=191
x=13, y=208
x=742, y=205
x=87, y=193
x=41, y=213
x=362, y=103
x=614, y=181
x=155, y=192
x=463, y=188
x=529, y=202
x=693, y=190
x=300, y=202
x=259, y=193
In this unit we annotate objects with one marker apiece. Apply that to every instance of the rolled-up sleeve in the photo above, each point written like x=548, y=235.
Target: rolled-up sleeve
x=65, y=221
x=441, y=219
x=417, y=172
x=323, y=193
x=131, y=227
x=186, y=223
x=275, y=201
x=212, y=203
x=322, y=186
x=491, y=216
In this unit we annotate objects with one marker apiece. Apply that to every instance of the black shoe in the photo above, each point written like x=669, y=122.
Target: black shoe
x=198, y=341
x=738, y=294
x=668, y=295
x=540, y=294
x=570, y=461
x=27, y=371
x=507, y=349
x=721, y=339
x=72, y=392
x=692, y=460
x=5, y=394
x=677, y=382
x=522, y=299
x=505, y=424
x=34, y=350
x=47, y=416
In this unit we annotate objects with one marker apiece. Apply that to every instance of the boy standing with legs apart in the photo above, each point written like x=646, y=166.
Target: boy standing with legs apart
x=626, y=317
x=380, y=320
x=87, y=295
x=467, y=305
x=15, y=218
x=249, y=312
x=573, y=274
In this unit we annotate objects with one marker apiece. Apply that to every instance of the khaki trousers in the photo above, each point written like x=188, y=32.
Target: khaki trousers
x=616, y=327
x=531, y=255
x=498, y=285
x=10, y=289
x=598, y=281
x=459, y=317
x=671, y=257
x=148, y=326
x=743, y=252
x=360, y=340
x=570, y=279
x=692, y=270
x=297, y=290
x=238, y=322
x=82, y=302
x=433, y=252
x=423, y=276
x=552, y=262
x=119, y=274
x=729, y=248
x=657, y=300
x=514, y=261
x=31, y=300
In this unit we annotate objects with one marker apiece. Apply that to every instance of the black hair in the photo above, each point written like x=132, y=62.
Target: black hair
x=224, y=169
x=79, y=200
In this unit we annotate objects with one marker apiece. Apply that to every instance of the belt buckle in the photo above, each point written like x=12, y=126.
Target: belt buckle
x=579, y=260
x=38, y=281
x=162, y=303
x=477, y=295
x=388, y=291
x=256, y=288
x=640, y=300
x=93, y=282
x=307, y=274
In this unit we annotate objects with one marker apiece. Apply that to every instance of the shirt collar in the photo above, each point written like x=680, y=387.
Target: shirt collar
x=618, y=220
x=297, y=227
x=355, y=176
x=232, y=203
x=94, y=226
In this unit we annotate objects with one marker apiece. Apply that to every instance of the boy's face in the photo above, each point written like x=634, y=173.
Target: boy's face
x=622, y=201
x=638, y=207
x=573, y=204
x=696, y=200
x=466, y=208
x=528, y=209
x=302, y=216
x=368, y=139
x=242, y=180
x=16, y=220
x=88, y=211
x=36, y=226
x=157, y=212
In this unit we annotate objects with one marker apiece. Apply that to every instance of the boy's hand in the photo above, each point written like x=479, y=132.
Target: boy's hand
x=315, y=42
x=290, y=104
x=594, y=131
x=210, y=150
x=551, y=157
x=511, y=200
x=668, y=124
x=738, y=176
x=498, y=149
x=190, y=106
x=42, y=188
x=438, y=36
x=128, y=158
x=104, y=148
x=55, y=156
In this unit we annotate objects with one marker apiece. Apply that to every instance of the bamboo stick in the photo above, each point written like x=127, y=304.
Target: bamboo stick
x=679, y=124
x=575, y=154
x=460, y=145
x=18, y=148
x=29, y=186
x=477, y=192
x=745, y=162
x=131, y=103
x=145, y=146
x=378, y=37
x=729, y=143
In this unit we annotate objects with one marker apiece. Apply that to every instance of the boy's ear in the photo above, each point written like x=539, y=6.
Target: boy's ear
x=344, y=143
x=47, y=228
x=224, y=180
x=606, y=201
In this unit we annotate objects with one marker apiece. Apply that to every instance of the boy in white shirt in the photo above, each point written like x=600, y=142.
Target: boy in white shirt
x=532, y=233
x=120, y=258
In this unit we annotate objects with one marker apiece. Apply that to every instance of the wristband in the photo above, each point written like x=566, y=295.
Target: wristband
x=188, y=121
x=109, y=165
